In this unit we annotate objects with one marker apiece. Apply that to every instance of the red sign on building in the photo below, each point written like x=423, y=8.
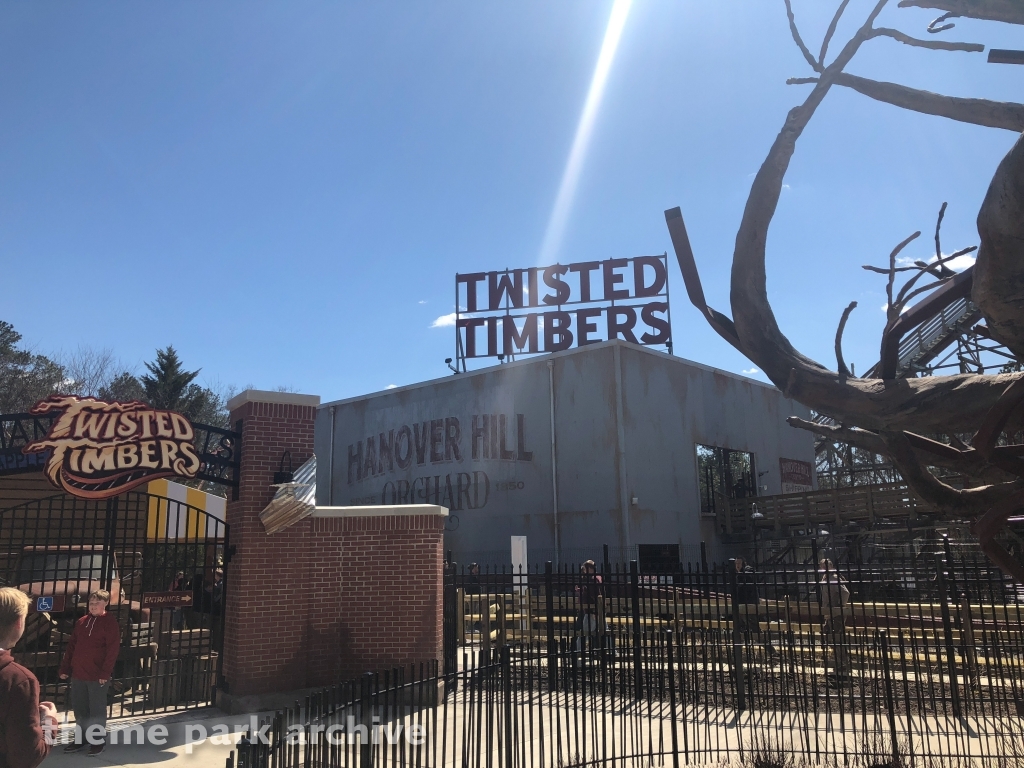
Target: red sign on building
x=796, y=476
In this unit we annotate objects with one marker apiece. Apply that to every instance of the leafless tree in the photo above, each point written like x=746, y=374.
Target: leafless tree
x=884, y=413
x=88, y=370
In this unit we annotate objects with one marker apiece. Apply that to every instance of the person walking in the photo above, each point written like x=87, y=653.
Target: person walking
x=89, y=662
x=26, y=726
x=179, y=584
x=748, y=601
x=215, y=592
x=589, y=591
x=835, y=605
x=473, y=579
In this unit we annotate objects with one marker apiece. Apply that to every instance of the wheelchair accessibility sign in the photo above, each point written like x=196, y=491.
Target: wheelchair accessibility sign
x=48, y=604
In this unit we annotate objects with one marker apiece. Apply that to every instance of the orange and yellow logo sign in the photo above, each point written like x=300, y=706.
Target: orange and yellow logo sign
x=99, y=449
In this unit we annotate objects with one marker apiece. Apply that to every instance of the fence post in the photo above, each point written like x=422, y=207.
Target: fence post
x=737, y=642
x=672, y=700
x=502, y=620
x=634, y=595
x=506, y=681
x=365, y=700
x=947, y=631
x=460, y=616
x=243, y=754
x=890, y=703
x=485, y=624
x=967, y=640
x=449, y=621
x=549, y=588
x=703, y=577
x=954, y=592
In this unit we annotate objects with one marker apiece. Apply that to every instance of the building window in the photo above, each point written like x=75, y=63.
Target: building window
x=724, y=474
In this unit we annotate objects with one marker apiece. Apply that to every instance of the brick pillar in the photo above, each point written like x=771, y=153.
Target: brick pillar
x=344, y=591
x=265, y=609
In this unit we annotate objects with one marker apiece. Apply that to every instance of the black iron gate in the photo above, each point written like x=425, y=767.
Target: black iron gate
x=162, y=561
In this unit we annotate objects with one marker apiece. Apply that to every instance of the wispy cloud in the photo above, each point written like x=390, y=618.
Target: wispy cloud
x=959, y=264
x=885, y=308
x=751, y=371
x=391, y=386
x=423, y=301
x=444, y=321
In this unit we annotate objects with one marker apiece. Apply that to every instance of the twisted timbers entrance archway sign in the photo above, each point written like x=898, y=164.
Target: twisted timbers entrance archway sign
x=159, y=557
x=99, y=449
x=965, y=422
x=95, y=448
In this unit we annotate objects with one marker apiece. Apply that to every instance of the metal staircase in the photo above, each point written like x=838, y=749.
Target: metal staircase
x=929, y=339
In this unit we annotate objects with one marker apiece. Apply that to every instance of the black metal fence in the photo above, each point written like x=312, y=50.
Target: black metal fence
x=921, y=664
x=160, y=559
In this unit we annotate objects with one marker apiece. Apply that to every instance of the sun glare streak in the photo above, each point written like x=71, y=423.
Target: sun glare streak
x=570, y=177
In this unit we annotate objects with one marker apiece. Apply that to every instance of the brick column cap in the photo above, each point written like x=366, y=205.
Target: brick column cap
x=262, y=396
x=381, y=510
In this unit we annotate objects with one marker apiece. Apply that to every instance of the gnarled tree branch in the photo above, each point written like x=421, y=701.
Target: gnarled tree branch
x=843, y=370
x=892, y=312
x=935, y=45
x=938, y=230
x=798, y=39
x=1007, y=115
x=1010, y=11
x=936, y=26
x=831, y=31
x=872, y=404
x=968, y=501
x=894, y=408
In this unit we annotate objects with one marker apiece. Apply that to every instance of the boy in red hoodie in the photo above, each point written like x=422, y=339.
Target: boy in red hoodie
x=23, y=720
x=89, y=661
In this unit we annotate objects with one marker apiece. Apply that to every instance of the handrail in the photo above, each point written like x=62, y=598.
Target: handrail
x=859, y=503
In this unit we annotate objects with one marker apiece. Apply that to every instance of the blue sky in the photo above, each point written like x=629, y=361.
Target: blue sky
x=285, y=191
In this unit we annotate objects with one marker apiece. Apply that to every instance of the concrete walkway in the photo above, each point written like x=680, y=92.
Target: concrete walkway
x=552, y=729
x=181, y=728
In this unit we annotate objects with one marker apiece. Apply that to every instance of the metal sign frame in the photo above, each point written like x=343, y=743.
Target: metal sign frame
x=539, y=295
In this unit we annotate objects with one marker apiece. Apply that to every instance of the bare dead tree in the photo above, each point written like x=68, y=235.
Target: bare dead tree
x=884, y=413
x=87, y=370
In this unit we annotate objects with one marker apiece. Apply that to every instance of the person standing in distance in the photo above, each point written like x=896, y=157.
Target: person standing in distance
x=589, y=592
x=26, y=726
x=89, y=662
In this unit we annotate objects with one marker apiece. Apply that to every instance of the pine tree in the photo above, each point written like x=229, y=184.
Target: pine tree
x=124, y=388
x=25, y=378
x=169, y=386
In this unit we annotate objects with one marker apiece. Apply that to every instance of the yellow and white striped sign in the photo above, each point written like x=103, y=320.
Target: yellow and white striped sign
x=174, y=512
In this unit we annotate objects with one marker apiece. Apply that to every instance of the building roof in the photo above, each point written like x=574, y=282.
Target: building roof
x=542, y=359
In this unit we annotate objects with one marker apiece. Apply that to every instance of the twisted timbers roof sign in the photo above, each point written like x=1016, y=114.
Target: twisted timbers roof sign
x=98, y=449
